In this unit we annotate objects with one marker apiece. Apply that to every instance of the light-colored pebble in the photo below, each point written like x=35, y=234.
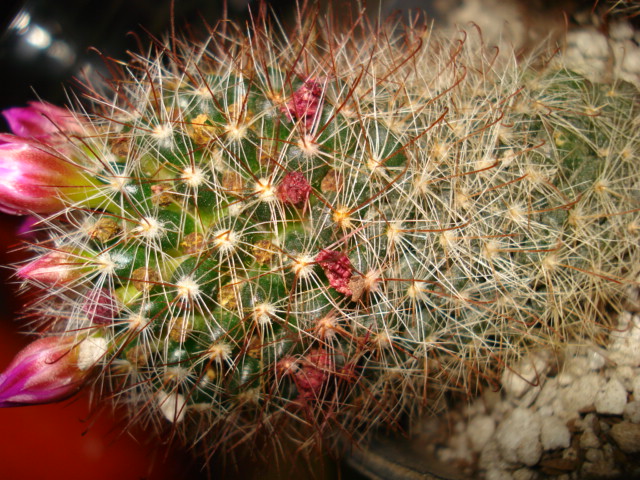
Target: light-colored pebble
x=589, y=42
x=480, y=429
x=562, y=412
x=447, y=455
x=599, y=463
x=630, y=59
x=623, y=348
x=590, y=421
x=589, y=439
x=524, y=474
x=621, y=30
x=611, y=398
x=581, y=394
x=498, y=474
x=490, y=456
x=594, y=455
x=500, y=410
x=525, y=375
x=632, y=411
x=565, y=378
x=475, y=408
x=635, y=385
x=460, y=446
x=576, y=365
x=546, y=411
x=595, y=359
x=460, y=426
x=624, y=374
x=554, y=433
x=519, y=437
x=529, y=397
x=548, y=393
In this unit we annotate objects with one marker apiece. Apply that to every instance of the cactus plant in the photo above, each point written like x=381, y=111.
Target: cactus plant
x=302, y=237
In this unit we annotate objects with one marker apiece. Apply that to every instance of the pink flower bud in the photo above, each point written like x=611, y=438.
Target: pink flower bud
x=44, y=371
x=337, y=267
x=40, y=120
x=33, y=177
x=53, y=268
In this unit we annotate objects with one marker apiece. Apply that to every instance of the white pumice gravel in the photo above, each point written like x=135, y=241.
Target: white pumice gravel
x=612, y=398
x=479, y=430
x=632, y=411
x=554, y=433
x=583, y=420
x=516, y=381
x=519, y=437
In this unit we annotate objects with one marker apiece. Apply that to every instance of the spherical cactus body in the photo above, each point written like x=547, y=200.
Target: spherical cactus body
x=304, y=237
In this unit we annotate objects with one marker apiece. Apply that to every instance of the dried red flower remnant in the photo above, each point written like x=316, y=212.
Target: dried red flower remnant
x=294, y=189
x=337, y=267
x=305, y=103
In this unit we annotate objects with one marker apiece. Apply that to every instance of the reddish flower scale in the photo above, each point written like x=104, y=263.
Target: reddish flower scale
x=294, y=189
x=312, y=378
x=337, y=267
x=305, y=103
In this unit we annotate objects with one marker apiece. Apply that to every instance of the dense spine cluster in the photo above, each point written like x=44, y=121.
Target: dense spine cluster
x=318, y=234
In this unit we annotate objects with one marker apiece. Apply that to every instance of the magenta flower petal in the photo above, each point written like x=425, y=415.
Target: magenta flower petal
x=32, y=176
x=44, y=371
x=41, y=119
